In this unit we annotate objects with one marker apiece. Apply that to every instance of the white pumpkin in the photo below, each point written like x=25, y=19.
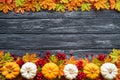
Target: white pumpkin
x=70, y=71
x=109, y=71
x=28, y=70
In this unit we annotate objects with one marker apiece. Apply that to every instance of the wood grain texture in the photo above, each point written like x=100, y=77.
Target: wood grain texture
x=59, y=41
x=33, y=26
x=56, y=15
x=77, y=53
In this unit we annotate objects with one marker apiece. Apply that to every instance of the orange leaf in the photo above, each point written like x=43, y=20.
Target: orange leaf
x=1, y=53
x=112, y=4
x=30, y=57
x=61, y=73
x=71, y=60
x=9, y=1
x=19, y=10
x=5, y=7
x=2, y=0
x=101, y=4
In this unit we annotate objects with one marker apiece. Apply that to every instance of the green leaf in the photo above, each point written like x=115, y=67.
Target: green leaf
x=86, y=6
x=2, y=77
x=115, y=55
x=7, y=57
x=53, y=59
x=117, y=6
x=60, y=7
x=19, y=3
x=97, y=62
x=107, y=5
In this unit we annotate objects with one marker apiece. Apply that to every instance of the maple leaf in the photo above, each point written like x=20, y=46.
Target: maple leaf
x=112, y=4
x=30, y=5
x=108, y=59
x=48, y=4
x=30, y=58
x=6, y=57
x=19, y=3
x=74, y=4
x=61, y=73
x=64, y=1
x=71, y=60
x=1, y=54
x=37, y=6
x=97, y=62
x=115, y=54
x=101, y=4
x=53, y=59
x=5, y=7
x=19, y=10
x=86, y=6
x=117, y=6
x=9, y=1
x=60, y=7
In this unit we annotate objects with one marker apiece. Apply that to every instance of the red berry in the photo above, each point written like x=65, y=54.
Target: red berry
x=15, y=58
x=61, y=56
x=39, y=76
x=81, y=76
x=20, y=62
x=79, y=65
x=101, y=56
x=40, y=62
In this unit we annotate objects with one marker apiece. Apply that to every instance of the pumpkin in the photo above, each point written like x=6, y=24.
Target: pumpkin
x=109, y=71
x=28, y=70
x=70, y=71
x=10, y=70
x=91, y=70
x=50, y=70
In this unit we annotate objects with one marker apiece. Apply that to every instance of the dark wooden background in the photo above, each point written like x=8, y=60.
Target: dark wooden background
x=70, y=32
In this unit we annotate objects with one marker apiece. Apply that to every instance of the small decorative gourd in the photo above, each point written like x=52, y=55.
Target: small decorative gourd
x=70, y=71
x=91, y=70
x=10, y=70
x=109, y=71
x=28, y=70
x=50, y=71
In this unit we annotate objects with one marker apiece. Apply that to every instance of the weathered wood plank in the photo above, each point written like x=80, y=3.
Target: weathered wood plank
x=77, y=53
x=59, y=26
x=73, y=14
x=59, y=41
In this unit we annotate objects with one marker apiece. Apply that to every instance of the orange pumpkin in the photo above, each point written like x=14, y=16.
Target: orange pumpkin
x=91, y=70
x=50, y=71
x=10, y=70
